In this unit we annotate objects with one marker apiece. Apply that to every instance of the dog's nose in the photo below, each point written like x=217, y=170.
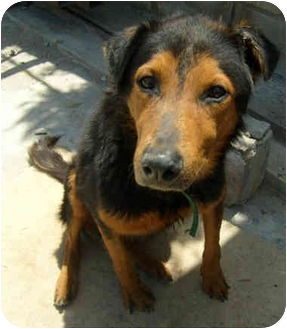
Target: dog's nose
x=162, y=166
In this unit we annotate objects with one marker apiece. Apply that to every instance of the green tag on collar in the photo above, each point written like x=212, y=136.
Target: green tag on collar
x=192, y=231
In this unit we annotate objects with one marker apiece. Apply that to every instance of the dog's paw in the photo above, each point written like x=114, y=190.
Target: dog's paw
x=139, y=298
x=153, y=267
x=66, y=289
x=215, y=285
x=158, y=270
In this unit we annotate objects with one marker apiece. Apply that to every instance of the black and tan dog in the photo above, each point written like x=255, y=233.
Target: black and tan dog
x=178, y=89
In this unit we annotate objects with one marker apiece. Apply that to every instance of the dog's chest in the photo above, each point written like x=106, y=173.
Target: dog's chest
x=142, y=224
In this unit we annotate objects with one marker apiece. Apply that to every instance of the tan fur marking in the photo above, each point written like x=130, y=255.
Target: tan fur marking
x=205, y=72
x=145, y=224
x=204, y=128
x=80, y=212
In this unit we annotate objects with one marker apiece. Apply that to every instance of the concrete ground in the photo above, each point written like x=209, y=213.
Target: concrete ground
x=45, y=90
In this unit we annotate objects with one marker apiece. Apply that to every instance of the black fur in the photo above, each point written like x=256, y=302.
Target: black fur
x=66, y=211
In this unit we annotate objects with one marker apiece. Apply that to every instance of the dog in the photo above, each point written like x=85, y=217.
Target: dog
x=177, y=90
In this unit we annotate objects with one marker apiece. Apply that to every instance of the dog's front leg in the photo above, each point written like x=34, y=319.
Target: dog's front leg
x=213, y=281
x=135, y=293
x=67, y=283
x=77, y=217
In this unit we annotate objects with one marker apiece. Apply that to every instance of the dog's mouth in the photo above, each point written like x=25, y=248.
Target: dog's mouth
x=164, y=187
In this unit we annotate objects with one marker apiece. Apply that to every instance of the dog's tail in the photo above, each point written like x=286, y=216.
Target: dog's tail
x=44, y=157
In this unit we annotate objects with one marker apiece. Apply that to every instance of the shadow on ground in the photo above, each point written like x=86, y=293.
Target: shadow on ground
x=52, y=91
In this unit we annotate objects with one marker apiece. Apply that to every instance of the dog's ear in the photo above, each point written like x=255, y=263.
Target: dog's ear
x=259, y=53
x=119, y=49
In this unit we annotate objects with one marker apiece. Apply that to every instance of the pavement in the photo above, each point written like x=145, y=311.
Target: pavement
x=45, y=88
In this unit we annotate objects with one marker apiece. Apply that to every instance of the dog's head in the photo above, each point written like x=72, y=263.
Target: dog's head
x=186, y=81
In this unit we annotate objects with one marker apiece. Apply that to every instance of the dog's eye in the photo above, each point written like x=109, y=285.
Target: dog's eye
x=147, y=83
x=216, y=93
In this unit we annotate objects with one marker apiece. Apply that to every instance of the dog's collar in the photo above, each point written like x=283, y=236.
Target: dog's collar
x=193, y=229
